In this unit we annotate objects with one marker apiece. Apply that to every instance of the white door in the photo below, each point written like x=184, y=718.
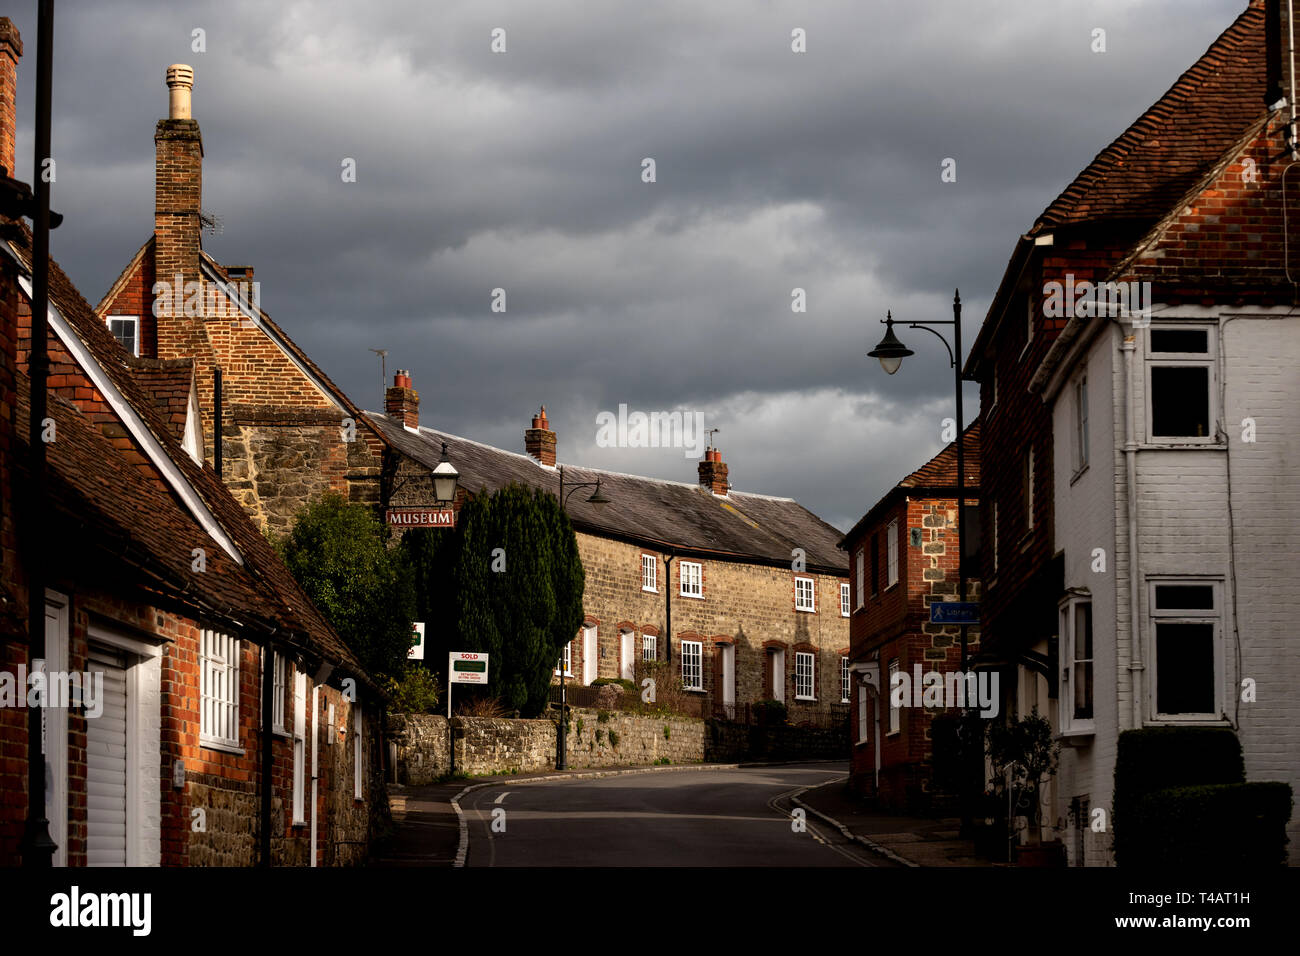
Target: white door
x=628, y=641
x=588, y=654
x=729, y=678
x=778, y=675
x=106, y=757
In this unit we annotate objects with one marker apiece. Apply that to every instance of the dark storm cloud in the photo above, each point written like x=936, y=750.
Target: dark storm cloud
x=522, y=171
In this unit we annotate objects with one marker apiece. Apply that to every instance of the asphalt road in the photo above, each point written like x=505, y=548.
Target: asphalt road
x=738, y=817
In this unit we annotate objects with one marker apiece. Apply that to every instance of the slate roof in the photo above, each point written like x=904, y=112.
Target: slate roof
x=157, y=522
x=656, y=513
x=1175, y=142
x=167, y=382
x=936, y=478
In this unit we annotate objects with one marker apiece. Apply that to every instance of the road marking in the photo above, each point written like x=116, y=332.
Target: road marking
x=503, y=796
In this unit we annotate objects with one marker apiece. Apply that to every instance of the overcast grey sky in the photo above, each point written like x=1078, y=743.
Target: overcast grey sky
x=522, y=170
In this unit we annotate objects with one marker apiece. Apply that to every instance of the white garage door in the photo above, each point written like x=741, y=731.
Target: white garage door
x=106, y=764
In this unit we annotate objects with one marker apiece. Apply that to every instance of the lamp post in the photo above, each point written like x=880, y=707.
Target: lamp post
x=599, y=500
x=891, y=353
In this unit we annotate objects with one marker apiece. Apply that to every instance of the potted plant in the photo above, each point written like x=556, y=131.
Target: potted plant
x=1024, y=757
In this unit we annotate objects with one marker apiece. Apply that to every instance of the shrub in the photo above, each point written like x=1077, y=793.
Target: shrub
x=613, y=738
x=771, y=712
x=668, y=732
x=622, y=682
x=1156, y=759
x=482, y=707
x=602, y=716
x=416, y=692
x=1241, y=825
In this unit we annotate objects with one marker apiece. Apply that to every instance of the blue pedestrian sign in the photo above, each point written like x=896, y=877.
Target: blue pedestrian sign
x=955, y=612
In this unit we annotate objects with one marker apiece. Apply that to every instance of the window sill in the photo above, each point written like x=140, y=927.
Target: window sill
x=297, y=824
x=1026, y=541
x=891, y=587
x=226, y=748
x=805, y=610
x=1078, y=474
x=1190, y=720
x=281, y=732
x=1078, y=737
x=649, y=590
x=1025, y=350
x=1179, y=444
x=810, y=700
x=842, y=614
x=697, y=597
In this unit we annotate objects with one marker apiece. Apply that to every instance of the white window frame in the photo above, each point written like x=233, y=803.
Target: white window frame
x=134, y=319
x=1071, y=665
x=649, y=573
x=1081, y=424
x=299, y=746
x=649, y=647
x=1207, y=359
x=356, y=752
x=805, y=670
x=279, y=688
x=805, y=594
x=693, y=665
x=568, y=661
x=1213, y=617
x=891, y=554
x=862, y=577
x=845, y=609
x=219, y=679
x=895, y=717
x=846, y=681
x=691, y=583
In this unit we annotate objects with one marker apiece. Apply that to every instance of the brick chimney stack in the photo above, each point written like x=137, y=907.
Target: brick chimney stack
x=11, y=48
x=713, y=472
x=539, y=440
x=401, y=401
x=178, y=183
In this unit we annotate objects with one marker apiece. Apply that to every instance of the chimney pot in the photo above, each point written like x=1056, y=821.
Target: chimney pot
x=540, y=441
x=713, y=472
x=180, y=81
x=402, y=402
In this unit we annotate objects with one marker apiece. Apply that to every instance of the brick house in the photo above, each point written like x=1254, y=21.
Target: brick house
x=902, y=557
x=164, y=595
x=288, y=433
x=698, y=574
x=1170, y=472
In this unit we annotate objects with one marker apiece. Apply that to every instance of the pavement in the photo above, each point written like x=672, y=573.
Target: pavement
x=431, y=833
x=911, y=841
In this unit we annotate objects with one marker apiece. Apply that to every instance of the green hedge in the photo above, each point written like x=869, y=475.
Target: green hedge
x=1182, y=790
x=1240, y=825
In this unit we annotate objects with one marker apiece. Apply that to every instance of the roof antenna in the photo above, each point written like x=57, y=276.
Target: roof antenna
x=383, y=373
x=712, y=432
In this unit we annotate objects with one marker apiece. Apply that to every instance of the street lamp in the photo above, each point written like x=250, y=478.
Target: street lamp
x=891, y=353
x=600, y=501
x=445, y=477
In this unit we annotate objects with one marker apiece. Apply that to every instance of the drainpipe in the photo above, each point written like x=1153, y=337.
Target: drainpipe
x=37, y=847
x=315, y=768
x=216, y=420
x=668, y=605
x=1135, y=665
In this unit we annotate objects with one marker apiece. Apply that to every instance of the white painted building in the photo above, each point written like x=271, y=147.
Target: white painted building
x=1195, y=537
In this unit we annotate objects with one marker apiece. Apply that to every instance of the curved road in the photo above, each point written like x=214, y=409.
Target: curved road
x=733, y=817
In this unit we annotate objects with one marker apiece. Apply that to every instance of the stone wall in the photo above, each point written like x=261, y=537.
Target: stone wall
x=492, y=746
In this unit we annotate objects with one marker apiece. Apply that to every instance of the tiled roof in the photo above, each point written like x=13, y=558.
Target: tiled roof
x=267, y=591
x=937, y=475
x=651, y=511
x=167, y=382
x=1172, y=145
